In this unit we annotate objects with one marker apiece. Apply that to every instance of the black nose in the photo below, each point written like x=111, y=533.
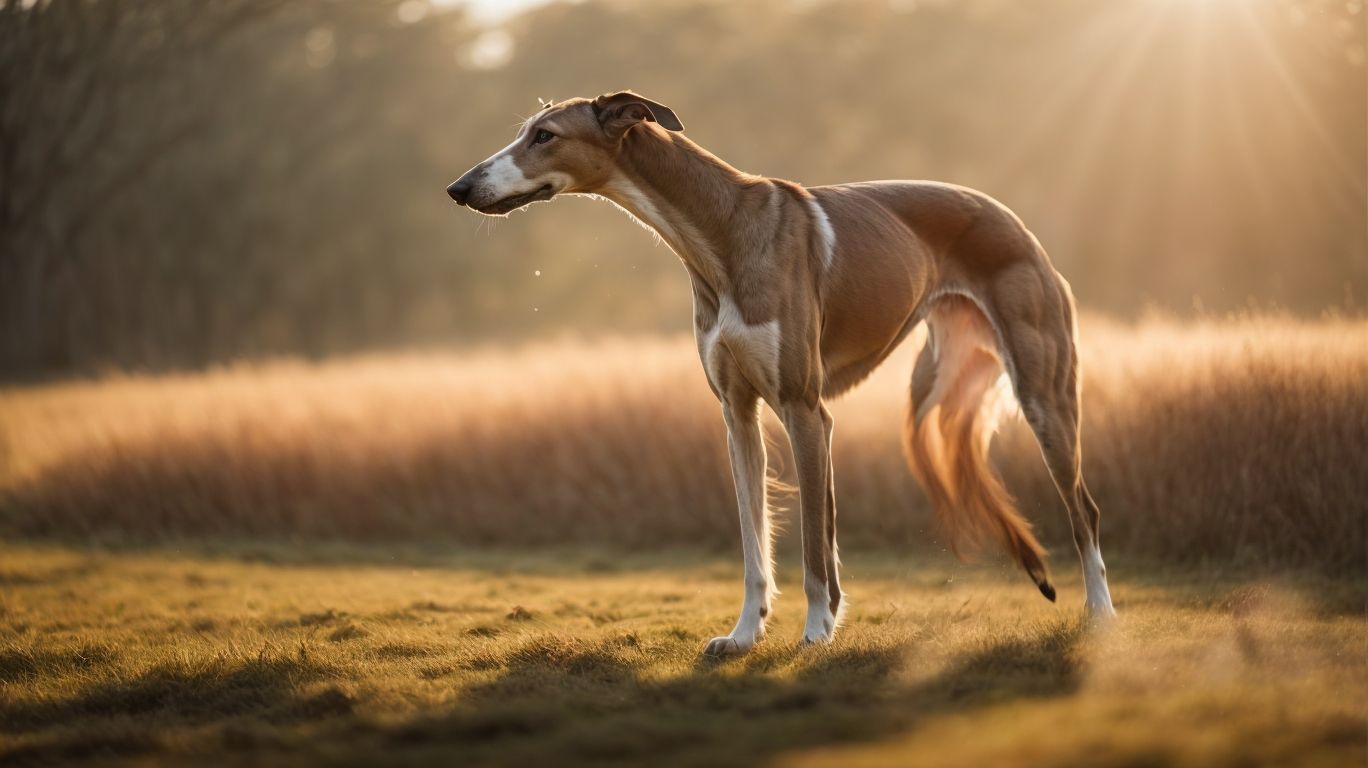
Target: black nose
x=460, y=190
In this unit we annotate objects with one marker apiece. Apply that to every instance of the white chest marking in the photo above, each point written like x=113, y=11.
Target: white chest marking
x=754, y=348
x=824, y=227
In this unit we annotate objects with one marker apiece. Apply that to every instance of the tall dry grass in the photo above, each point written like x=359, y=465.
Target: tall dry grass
x=1223, y=440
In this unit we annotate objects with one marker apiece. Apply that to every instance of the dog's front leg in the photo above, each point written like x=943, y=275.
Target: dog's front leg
x=809, y=430
x=747, y=447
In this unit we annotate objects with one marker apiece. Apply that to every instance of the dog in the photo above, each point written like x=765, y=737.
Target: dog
x=800, y=292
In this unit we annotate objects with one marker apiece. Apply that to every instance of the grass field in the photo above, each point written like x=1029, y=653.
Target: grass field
x=1222, y=441
x=515, y=557
x=271, y=655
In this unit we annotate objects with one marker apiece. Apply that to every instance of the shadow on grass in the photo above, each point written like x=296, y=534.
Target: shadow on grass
x=548, y=700
x=20, y=665
x=127, y=717
x=555, y=701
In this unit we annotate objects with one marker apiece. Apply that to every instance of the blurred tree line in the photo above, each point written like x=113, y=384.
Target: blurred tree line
x=183, y=183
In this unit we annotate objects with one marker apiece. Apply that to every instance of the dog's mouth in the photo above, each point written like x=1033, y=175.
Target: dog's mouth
x=513, y=203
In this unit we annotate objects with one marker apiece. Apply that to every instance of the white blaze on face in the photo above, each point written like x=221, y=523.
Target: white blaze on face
x=504, y=178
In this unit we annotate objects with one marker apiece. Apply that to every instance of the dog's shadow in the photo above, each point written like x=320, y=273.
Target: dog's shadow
x=555, y=702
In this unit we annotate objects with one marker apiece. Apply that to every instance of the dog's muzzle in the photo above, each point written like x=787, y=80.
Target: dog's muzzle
x=465, y=191
x=514, y=202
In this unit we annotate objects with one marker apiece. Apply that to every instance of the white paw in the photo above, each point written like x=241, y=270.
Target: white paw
x=727, y=646
x=817, y=638
x=820, y=629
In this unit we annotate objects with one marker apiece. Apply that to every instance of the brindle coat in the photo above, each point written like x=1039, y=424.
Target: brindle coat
x=800, y=292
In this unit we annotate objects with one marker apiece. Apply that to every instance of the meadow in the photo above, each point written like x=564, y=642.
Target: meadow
x=288, y=655
x=514, y=557
x=1231, y=441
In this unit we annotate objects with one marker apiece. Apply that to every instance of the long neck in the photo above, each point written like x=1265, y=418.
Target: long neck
x=686, y=194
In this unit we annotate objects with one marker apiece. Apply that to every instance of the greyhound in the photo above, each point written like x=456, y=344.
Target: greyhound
x=800, y=292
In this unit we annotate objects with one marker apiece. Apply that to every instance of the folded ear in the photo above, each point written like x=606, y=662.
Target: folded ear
x=619, y=111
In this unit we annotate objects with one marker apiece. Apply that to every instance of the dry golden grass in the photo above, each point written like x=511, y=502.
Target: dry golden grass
x=1242, y=440
x=286, y=655
x=1220, y=452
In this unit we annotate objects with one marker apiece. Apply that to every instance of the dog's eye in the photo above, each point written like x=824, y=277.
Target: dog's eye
x=543, y=136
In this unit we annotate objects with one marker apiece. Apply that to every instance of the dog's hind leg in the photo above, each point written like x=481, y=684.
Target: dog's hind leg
x=746, y=445
x=1034, y=308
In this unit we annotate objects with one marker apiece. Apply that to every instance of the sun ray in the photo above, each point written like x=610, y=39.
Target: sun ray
x=1092, y=129
x=1339, y=163
x=1095, y=42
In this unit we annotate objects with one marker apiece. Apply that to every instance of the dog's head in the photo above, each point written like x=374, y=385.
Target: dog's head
x=569, y=146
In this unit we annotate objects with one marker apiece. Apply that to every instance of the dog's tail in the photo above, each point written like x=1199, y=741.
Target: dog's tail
x=959, y=397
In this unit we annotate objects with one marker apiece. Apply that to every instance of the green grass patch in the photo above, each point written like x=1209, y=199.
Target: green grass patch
x=283, y=656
